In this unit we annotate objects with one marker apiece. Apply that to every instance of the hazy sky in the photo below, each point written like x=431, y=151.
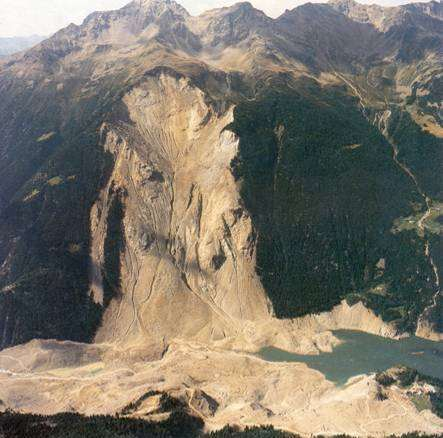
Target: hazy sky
x=43, y=17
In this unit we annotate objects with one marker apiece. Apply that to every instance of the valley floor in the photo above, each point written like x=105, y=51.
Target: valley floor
x=221, y=386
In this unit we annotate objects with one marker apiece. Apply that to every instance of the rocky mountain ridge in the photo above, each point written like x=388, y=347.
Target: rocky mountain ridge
x=151, y=188
x=179, y=192
x=169, y=24
x=383, y=18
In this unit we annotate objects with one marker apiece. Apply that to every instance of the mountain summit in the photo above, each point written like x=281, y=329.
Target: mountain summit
x=155, y=8
x=383, y=18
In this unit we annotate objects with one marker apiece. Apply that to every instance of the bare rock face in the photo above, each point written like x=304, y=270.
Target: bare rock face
x=230, y=26
x=384, y=18
x=203, y=403
x=188, y=243
x=122, y=218
x=179, y=192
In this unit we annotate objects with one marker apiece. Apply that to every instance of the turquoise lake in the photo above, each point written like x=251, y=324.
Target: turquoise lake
x=362, y=353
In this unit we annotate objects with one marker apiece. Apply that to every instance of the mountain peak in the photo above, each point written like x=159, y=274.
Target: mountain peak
x=157, y=7
x=242, y=6
x=230, y=25
x=378, y=16
x=353, y=8
x=383, y=18
x=343, y=3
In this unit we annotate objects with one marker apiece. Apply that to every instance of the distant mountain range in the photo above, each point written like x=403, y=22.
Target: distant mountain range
x=9, y=46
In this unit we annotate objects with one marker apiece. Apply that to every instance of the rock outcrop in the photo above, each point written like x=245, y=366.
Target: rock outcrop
x=142, y=197
x=188, y=243
x=179, y=192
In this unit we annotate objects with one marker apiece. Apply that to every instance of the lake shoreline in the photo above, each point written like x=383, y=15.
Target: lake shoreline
x=361, y=353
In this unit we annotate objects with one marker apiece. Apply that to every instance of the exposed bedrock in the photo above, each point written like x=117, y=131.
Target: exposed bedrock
x=187, y=253
x=173, y=249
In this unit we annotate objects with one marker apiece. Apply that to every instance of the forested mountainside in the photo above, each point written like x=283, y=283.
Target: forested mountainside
x=15, y=425
x=178, y=426
x=167, y=175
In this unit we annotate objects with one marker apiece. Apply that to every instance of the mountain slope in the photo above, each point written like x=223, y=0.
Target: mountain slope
x=384, y=18
x=173, y=176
